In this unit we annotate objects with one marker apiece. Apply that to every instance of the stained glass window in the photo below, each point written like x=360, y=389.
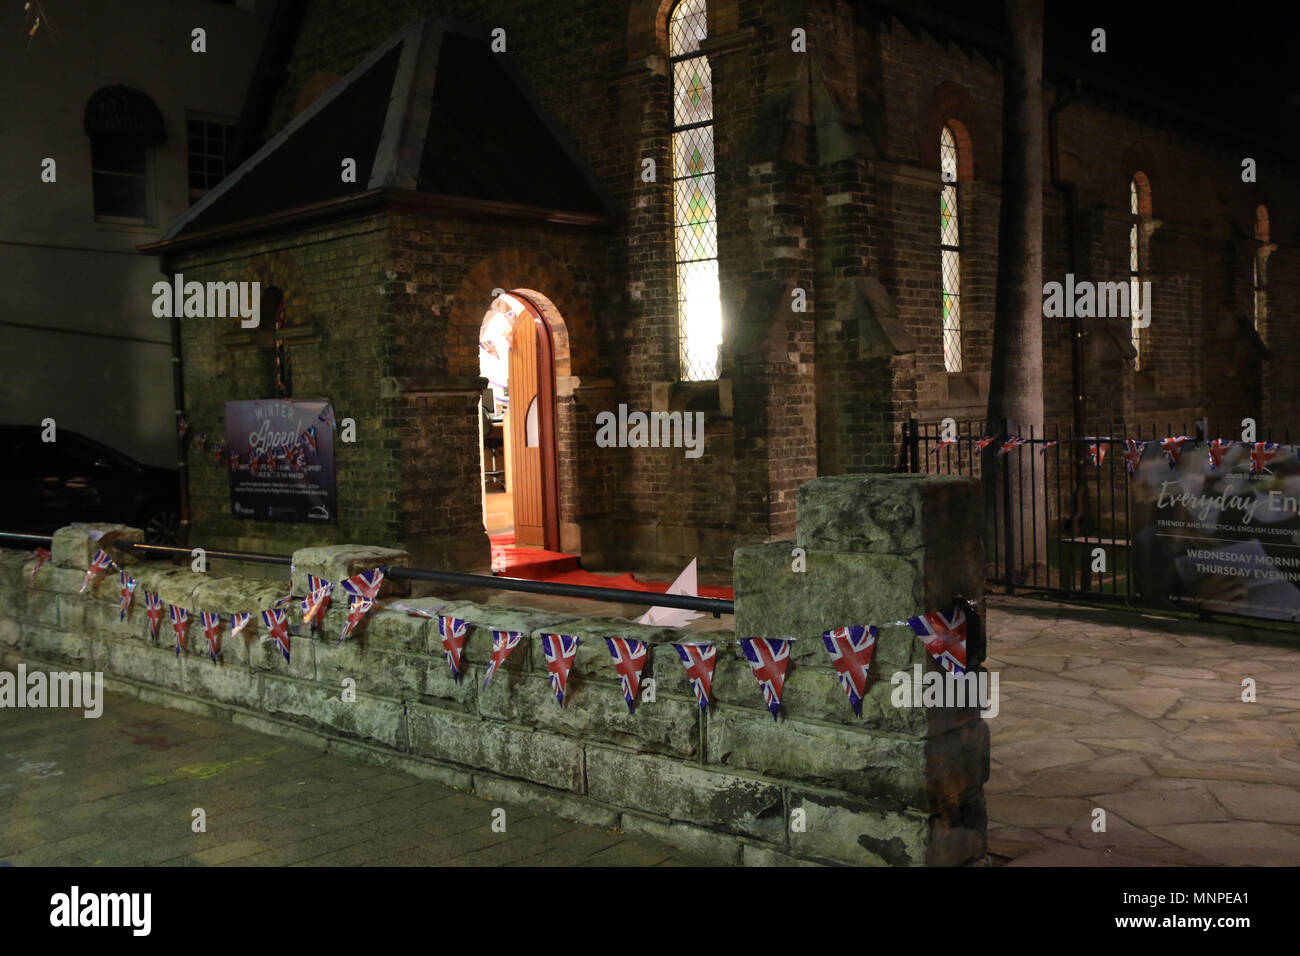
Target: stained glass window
x=1137, y=308
x=695, y=212
x=950, y=246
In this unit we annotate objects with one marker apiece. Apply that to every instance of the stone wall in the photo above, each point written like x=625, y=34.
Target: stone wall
x=898, y=786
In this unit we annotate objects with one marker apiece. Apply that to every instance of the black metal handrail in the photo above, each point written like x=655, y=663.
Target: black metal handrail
x=714, y=606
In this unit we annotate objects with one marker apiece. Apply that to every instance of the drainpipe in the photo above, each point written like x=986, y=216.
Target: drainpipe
x=182, y=455
x=1070, y=194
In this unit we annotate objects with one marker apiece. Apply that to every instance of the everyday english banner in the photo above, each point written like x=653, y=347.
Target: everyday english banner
x=281, y=460
x=1222, y=538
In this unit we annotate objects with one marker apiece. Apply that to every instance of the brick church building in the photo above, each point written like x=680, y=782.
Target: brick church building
x=782, y=214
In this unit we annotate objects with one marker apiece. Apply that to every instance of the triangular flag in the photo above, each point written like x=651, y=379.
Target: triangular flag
x=212, y=631
x=629, y=660
x=277, y=623
x=1133, y=455
x=238, y=622
x=316, y=601
x=1173, y=448
x=851, y=649
x=1013, y=442
x=452, y=631
x=180, y=625
x=768, y=657
x=100, y=563
x=1261, y=453
x=503, y=642
x=41, y=555
x=153, y=609
x=128, y=589
x=560, y=650
x=686, y=585
x=358, y=606
x=944, y=636
x=698, y=659
x=1218, y=449
x=982, y=443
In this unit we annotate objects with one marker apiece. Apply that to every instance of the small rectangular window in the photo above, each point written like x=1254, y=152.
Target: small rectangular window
x=209, y=147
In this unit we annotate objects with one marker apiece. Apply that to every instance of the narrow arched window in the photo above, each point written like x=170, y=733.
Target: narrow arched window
x=1259, y=268
x=1139, y=202
x=695, y=213
x=123, y=125
x=950, y=251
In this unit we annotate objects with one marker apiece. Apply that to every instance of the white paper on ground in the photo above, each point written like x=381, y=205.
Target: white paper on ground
x=686, y=584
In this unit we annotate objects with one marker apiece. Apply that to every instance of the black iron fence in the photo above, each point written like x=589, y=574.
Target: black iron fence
x=1057, y=504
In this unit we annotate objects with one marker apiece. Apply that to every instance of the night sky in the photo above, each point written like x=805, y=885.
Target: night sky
x=1234, y=62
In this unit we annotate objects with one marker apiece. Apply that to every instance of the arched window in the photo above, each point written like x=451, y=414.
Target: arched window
x=1139, y=202
x=123, y=124
x=1259, y=268
x=695, y=217
x=950, y=251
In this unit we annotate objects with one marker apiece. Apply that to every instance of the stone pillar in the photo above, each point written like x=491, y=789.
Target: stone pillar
x=878, y=550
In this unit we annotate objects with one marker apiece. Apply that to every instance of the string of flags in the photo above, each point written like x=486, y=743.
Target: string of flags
x=943, y=634
x=1261, y=452
x=268, y=460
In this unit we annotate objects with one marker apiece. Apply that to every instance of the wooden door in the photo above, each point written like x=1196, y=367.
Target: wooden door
x=525, y=434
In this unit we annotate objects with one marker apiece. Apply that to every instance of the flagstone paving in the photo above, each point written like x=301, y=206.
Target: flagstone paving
x=1142, y=718
x=121, y=790
x=1137, y=716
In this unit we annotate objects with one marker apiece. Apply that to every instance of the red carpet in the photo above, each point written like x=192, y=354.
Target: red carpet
x=536, y=564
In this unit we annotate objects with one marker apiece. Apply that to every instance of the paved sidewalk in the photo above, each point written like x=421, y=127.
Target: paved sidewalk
x=1144, y=719
x=121, y=790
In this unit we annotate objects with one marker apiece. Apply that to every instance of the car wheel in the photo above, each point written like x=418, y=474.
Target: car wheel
x=161, y=524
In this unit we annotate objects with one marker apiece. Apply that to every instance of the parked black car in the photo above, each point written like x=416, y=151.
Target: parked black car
x=46, y=485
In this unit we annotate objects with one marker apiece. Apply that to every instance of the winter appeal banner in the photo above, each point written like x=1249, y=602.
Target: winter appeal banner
x=1217, y=527
x=280, y=453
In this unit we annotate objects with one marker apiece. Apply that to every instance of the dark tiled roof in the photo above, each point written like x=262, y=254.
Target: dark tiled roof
x=432, y=110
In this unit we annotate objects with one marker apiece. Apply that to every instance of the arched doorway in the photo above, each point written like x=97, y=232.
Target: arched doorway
x=517, y=356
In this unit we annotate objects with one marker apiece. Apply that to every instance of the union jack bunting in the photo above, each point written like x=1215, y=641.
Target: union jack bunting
x=1218, y=449
x=851, y=649
x=769, y=657
x=699, y=659
x=1261, y=453
x=503, y=642
x=234, y=461
x=629, y=660
x=1133, y=455
x=218, y=451
x=201, y=441
x=1046, y=445
x=309, y=438
x=100, y=563
x=238, y=622
x=316, y=601
x=327, y=416
x=153, y=609
x=559, y=650
x=252, y=464
x=128, y=589
x=1173, y=448
x=41, y=555
x=452, y=631
x=182, y=426
x=180, y=625
x=982, y=443
x=277, y=624
x=941, y=444
x=212, y=631
x=1010, y=443
x=358, y=607
x=365, y=584
x=1097, y=448
x=944, y=636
